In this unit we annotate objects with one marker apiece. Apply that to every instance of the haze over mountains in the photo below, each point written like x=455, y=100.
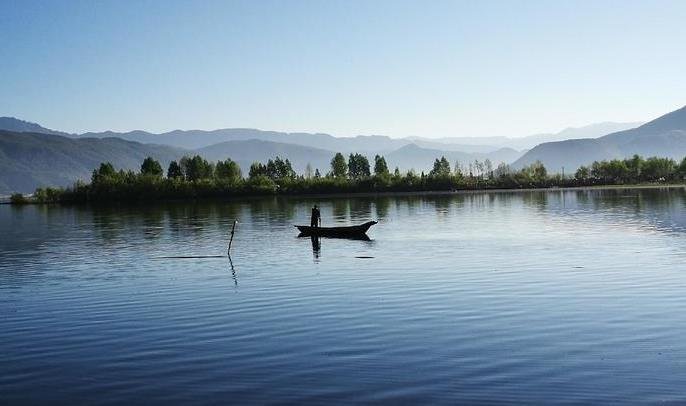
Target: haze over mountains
x=482, y=144
x=30, y=160
x=193, y=139
x=32, y=156
x=16, y=125
x=665, y=137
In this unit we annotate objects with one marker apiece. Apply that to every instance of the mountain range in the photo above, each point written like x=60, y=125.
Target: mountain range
x=370, y=144
x=485, y=144
x=29, y=160
x=33, y=156
x=665, y=137
x=21, y=126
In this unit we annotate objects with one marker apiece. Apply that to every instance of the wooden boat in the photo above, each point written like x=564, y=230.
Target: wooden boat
x=359, y=231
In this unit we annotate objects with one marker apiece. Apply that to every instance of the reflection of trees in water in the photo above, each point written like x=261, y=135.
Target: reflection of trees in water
x=111, y=224
x=631, y=200
x=226, y=213
x=536, y=199
x=441, y=203
x=501, y=199
x=107, y=221
x=412, y=202
x=582, y=196
x=381, y=206
x=360, y=209
x=275, y=210
x=339, y=209
x=27, y=228
x=199, y=217
x=187, y=219
x=153, y=222
x=472, y=201
x=150, y=222
x=662, y=208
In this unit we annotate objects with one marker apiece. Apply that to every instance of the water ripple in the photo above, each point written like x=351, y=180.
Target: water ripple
x=533, y=297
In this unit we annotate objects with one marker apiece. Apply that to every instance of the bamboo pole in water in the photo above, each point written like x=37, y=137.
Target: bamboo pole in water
x=233, y=229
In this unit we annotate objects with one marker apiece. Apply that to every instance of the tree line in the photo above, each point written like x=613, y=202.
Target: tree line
x=195, y=177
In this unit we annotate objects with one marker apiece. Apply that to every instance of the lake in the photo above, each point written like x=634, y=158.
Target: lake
x=526, y=297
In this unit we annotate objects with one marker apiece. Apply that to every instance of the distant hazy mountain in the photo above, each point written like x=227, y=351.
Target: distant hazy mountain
x=421, y=159
x=32, y=156
x=664, y=136
x=16, y=125
x=249, y=151
x=487, y=144
x=407, y=157
x=370, y=144
x=194, y=139
x=30, y=160
x=448, y=146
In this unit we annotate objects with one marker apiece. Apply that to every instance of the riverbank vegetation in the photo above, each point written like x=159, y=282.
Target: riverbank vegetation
x=195, y=177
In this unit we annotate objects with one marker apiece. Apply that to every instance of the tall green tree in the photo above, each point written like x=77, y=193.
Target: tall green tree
x=339, y=168
x=457, y=169
x=174, y=171
x=502, y=170
x=656, y=169
x=358, y=166
x=538, y=171
x=151, y=167
x=380, y=166
x=196, y=168
x=256, y=170
x=228, y=170
x=583, y=173
x=681, y=170
x=617, y=171
x=441, y=168
x=478, y=168
x=488, y=168
x=104, y=172
x=280, y=169
x=634, y=166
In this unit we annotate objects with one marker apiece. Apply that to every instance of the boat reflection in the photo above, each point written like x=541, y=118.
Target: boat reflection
x=361, y=237
x=317, y=242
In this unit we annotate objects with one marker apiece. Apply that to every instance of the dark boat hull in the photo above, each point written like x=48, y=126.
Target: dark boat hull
x=359, y=231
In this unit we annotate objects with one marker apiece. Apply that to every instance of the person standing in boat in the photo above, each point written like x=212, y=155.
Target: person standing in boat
x=316, y=219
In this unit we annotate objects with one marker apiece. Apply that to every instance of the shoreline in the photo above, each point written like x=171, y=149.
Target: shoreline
x=492, y=190
x=6, y=200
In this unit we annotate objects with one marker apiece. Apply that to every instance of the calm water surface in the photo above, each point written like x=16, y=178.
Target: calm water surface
x=575, y=296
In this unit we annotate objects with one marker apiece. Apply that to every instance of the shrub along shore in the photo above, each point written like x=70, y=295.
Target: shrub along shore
x=194, y=177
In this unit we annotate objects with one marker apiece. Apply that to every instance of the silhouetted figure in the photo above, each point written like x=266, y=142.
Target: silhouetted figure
x=316, y=218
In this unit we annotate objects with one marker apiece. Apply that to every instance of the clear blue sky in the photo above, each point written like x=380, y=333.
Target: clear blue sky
x=370, y=67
